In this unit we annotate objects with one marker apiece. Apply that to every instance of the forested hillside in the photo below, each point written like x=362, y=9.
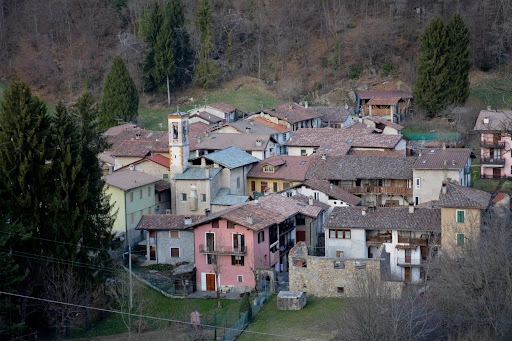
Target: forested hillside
x=63, y=47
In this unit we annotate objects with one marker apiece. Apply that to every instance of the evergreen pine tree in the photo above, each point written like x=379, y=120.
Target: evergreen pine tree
x=459, y=62
x=150, y=26
x=206, y=72
x=431, y=92
x=120, y=98
x=181, y=43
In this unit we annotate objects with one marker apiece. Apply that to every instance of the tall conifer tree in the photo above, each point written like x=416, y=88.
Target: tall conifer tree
x=207, y=71
x=458, y=60
x=120, y=97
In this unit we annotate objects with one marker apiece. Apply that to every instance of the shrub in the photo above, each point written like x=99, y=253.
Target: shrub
x=140, y=325
x=354, y=71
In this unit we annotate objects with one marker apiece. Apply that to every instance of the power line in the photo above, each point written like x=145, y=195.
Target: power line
x=153, y=317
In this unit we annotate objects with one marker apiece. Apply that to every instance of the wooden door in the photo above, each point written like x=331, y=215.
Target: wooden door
x=301, y=236
x=210, y=282
x=496, y=173
x=408, y=276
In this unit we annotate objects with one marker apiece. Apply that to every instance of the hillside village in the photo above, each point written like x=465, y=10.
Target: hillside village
x=307, y=195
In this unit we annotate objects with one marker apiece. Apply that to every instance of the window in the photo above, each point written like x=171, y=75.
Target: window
x=165, y=177
x=149, y=192
x=339, y=254
x=416, y=200
x=417, y=183
x=253, y=186
x=303, y=152
x=460, y=216
x=341, y=290
x=339, y=234
x=261, y=237
x=239, y=278
x=174, y=234
x=149, y=210
x=300, y=263
x=339, y=264
x=211, y=259
x=231, y=225
x=140, y=193
x=237, y=260
x=183, y=196
x=215, y=224
x=460, y=239
x=274, y=187
x=175, y=252
x=131, y=196
x=316, y=195
x=159, y=197
x=132, y=218
x=268, y=169
x=203, y=197
x=264, y=186
x=286, y=185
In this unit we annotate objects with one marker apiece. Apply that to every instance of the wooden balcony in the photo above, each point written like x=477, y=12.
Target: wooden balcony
x=223, y=250
x=413, y=241
x=358, y=190
x=378, y=239
x=492, y=162
x=492, y=144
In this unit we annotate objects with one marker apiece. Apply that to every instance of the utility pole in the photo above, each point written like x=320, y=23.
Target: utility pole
x=130, y=269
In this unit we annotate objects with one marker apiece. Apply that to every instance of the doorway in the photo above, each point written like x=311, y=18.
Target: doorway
x=210, y=282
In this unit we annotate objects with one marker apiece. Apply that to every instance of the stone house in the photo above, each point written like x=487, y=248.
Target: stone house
x=495, y=143
x=435, y=165
x=391, y=105
x=258, y=145
x=224, y=111
x=293, y=116
x=335, y=116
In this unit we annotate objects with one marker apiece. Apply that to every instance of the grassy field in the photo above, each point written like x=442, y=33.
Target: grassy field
x=148, y=302
x=317, y=320
x=489, y=92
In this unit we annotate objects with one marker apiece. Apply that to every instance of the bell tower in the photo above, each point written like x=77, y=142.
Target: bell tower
x=178, y=142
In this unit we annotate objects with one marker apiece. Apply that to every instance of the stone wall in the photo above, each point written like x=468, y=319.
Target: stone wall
x=328, y=276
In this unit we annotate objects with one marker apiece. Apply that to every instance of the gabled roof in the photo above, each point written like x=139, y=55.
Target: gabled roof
x=385, y=218
x=197, y=173
x=494, y=120
x=380, y=120
x=162, y=185
x=137, y=134
x=461, y=196
x=164, y=222
x=231, y=157
x=116, y=130
x=449, y=158
x=290, y=168
x=129, y=179
x=261, y=218
x=383, y=94
x=210, y=118
x=333, y=114
x=159, y=159
x=224, y=107
x=140, y=148
x=246, y=142
x=384, y=100
x=292, y=113
x=278, y=127
x=197, y=130
x=333, y=191
x=290, y=205
x=252, y=126
x=352, y=167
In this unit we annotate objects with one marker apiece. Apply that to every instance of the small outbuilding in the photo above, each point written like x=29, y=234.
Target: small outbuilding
x=291, y=300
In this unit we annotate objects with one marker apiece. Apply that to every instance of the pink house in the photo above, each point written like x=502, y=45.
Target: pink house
x=495, y=143
x=233, y=246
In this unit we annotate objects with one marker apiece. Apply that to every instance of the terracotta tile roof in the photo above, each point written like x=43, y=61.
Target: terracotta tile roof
x=358, y=138
x=352, y=167
x=384, y=100
x=385, y=218
x=224, y=107
x=317, y=203
x=461, y=196
x=333, y=114
x=246, y=142
x=210, y=118
x=114, y=131
x=262, y=218
x=164, y=222
x=252, y=126
x=449, y=158
x=288, y=206
x=278, y=127
x=290, y=168
x=292, y=113
x=497, y=120
x=159, y=159
x=231, y=157
x=137, y=134
x=499, y=196
x=372, y=152
x=140, y=148
x=196, y=130
x=383, y=94
x=162, y=186
x=333, y=191
x=380, y=120
x=129, y=179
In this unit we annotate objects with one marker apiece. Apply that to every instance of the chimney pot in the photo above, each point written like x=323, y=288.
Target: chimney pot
x=310, y=201
x=411, y=208
x=363, y=212
x=250, y=219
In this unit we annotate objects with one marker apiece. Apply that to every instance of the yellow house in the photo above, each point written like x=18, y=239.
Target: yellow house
x=277, y=173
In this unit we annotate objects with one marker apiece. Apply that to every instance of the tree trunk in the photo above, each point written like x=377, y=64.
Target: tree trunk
x=168, y=92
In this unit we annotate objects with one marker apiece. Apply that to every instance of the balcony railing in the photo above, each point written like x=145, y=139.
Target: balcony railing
x=413, y=241
x=223, y=250
x=492, y=161
x=379, y=189
x=378, y=239
x=408, y=262
x=492, y=144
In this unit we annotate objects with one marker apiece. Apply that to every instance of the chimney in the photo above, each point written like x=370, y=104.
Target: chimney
x=443, y=188
x=168, y=211
x=411, y=208
x=188, y=221
x=257, y=202
x=306, y=105
x=207, y=172
x=363, y=211
x=486, y=120
x=132, y=167
x=207, y=212
x=247, y=130
x=250, y=219
x=445, y=163
x=489, y=108
x=330, y=186
x=324, y=156
x=310, y=201
x=444, y=145
x=259, y=143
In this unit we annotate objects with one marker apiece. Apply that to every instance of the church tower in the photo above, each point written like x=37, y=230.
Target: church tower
x=178, y=142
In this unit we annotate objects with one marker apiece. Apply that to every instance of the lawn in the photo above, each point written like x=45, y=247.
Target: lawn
x=317, y=320
x=148, y=302
x=489, y=92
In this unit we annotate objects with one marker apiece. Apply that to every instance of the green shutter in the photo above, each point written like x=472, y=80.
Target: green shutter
x=460, y=239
